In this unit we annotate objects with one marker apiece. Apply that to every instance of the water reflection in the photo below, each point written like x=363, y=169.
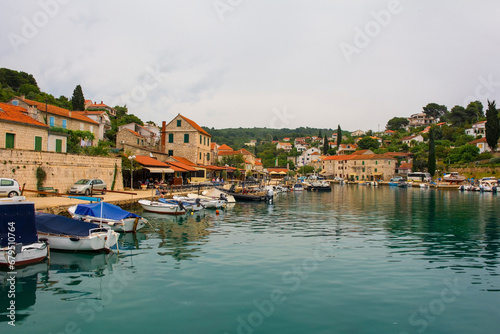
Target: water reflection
x=181, y=237
x=26, y=282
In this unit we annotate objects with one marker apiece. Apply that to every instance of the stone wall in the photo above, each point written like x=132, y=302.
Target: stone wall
x=62, y=169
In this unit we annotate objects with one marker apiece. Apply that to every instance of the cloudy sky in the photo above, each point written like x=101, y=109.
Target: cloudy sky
x=260, y=63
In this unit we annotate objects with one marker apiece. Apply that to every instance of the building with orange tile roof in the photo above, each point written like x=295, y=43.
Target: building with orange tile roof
x=58, y=117
x=89, y=105
x=184, y=138
x=20, y=131
x=364, y=166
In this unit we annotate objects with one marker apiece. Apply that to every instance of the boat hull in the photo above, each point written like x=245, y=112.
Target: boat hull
x=95, y=242
x=32, y=253
x=163, y=208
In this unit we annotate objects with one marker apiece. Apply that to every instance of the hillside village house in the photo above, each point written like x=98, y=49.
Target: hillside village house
x=20, y=131
x=482, y=144
x=101, y=117
x=358, y=133
x=420, y=119
x=411, y=140
x=58, y=117
x=362, y=165
x=347, y=148
x=287, y=147
x=183, y=137
x=307, y=156
x=477, y=129
x=89, y=105
x=136, y=135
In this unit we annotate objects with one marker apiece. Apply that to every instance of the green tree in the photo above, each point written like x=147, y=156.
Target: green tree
x=78, y=101
x=431, y=163
x=474, y=111
x=463, y=154
x=339, y=136
x=368, y=143
x=457, y=116
x=492, y=126
x=435, y=110
x=306, y=170
x=325, y=145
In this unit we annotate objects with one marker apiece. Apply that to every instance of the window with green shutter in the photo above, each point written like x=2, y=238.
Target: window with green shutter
x=186, y=137
x=9, y=140
x=208, y=156
x=38, y=143
x=170, y=153
x=170, y=137
x=200, y=139
x=179, y=122
x=58, y=145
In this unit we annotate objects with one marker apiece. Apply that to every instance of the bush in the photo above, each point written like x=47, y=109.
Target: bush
x=495, y=160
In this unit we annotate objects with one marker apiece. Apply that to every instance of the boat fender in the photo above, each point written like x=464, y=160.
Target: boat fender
x=74, y=238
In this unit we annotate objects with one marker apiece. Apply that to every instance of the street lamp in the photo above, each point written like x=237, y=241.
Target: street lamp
x=131, y=158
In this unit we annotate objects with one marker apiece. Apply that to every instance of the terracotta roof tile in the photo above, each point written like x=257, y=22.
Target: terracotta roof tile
x=18, y=114
x=184, y=161
x=196, y=126
x=148, y=161
x=59, y=111
x=224, y=147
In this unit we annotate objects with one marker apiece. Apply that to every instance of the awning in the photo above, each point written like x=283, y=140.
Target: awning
x=377, y=174
x=160, y=170
x=353, y=174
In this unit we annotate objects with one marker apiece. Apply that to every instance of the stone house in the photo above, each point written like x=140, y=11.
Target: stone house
x=89, y=105
x=101, y=117
x=287, y=147
x=183, y=137
x=58, y=117
x=135, y=134
x=307, y=156
x=362, y=165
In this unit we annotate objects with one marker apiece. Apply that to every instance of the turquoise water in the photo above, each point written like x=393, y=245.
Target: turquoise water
x=356, y=260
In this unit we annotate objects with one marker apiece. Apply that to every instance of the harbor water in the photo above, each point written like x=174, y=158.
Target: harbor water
x=354, y=260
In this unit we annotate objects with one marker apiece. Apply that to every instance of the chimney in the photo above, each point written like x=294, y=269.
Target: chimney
x=163, y=136
x=23, y=97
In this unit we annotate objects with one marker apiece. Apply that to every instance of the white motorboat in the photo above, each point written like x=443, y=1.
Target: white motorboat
x=489, y=184
x=205, y=203
x=190, y=205
x=108, y=214
x=159, y=207
x=297, y=187
x=19, y=241
x=217, y=194
x=69, y=234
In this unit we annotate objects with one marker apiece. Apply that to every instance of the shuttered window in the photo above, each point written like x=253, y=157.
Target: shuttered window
x=9, y=140
x=58, y=145
x=38, y=143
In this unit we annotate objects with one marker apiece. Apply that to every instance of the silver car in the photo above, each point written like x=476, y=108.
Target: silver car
x=9, y=188
x=87, y=186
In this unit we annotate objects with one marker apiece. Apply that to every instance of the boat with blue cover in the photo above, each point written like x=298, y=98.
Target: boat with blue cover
x=108, y=214
x=69, y=234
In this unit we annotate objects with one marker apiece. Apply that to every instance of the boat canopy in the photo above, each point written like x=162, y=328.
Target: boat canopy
x=109, y=211
x=20, y=218
x=55, y=224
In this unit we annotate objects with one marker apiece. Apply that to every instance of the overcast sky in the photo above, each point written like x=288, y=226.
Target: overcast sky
x=260, y=63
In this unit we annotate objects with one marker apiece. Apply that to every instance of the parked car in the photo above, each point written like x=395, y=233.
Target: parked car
x=86, y=186
x=397, y=179
x=9, y=187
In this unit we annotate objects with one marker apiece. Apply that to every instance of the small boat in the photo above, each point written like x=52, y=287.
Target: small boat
x=205, y=203
x=19, y=242
x=215, y=193
x=112, y=215
x=424, y=186
x=165, y=208
x=69, y=234
x=453, y=177
x=246, y=194
x=188, y=205
x=319, y=185
x=403, y=184
x=297, y=187
x=489, y=184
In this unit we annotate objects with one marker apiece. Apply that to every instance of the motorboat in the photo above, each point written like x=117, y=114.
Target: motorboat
x=319, y=185
x=297, y=187
x=246, y=194
x=19, y=241
x=214, y=193
x=164, y=208
x=205, y=203
x=453, y=177
x=108, y=214
x=190, y=205
x=69, y=234
x=489, y=184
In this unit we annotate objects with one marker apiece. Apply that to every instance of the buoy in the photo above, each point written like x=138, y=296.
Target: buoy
x=192, y=212
x=216, y=212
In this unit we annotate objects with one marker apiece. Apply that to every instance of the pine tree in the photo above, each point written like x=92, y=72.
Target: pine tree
x=431, y=163
x=325, y=145
x=492, y=126
x=78, y=101
x=339, y=137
